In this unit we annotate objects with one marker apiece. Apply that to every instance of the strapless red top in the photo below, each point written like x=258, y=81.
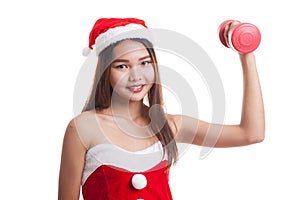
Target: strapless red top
x=112, y=173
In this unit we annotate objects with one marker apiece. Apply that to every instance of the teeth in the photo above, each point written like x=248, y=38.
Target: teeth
x=136, y=87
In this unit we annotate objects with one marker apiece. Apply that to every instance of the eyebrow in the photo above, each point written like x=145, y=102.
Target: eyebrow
x=125, y=60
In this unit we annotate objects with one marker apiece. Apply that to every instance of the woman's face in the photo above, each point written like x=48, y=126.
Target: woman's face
x=131, y=73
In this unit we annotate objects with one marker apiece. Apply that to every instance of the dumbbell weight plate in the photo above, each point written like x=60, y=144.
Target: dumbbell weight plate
x=244, y=38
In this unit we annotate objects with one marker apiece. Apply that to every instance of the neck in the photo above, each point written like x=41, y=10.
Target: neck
x=128, y=109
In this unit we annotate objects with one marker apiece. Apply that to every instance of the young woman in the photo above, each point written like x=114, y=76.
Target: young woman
x=120, y=147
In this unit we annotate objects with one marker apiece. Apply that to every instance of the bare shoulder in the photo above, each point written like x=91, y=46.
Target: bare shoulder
x=71, y=137
x=86, y=125
x=174, y=122
x=84, y=118
x=186, y=127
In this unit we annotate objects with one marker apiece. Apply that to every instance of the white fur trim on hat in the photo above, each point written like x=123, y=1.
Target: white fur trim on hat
x=119, y=33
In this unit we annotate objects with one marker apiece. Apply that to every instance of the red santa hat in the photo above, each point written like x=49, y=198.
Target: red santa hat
x=107, y=31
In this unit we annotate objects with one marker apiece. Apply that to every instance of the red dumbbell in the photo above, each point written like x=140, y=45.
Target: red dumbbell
x=243, y=38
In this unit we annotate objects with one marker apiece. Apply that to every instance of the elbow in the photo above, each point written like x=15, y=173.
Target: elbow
x=253, y=134
x=256, y=138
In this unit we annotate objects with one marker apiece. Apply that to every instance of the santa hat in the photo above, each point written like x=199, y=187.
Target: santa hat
x=107, y=31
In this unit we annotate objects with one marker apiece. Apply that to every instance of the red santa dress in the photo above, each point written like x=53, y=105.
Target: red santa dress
x=112, y=173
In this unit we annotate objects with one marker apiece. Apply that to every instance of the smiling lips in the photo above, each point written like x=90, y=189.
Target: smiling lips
x=136, y=88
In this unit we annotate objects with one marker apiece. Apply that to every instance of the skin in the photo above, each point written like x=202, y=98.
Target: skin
x=134, y=68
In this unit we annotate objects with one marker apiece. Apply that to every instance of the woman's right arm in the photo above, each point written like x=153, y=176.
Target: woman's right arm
x=72, y=164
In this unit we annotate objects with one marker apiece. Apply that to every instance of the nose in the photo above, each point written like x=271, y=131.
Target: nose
x=135, y=74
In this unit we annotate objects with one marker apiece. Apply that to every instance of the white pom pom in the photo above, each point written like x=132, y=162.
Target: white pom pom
x=139, y=181
x=86, y=51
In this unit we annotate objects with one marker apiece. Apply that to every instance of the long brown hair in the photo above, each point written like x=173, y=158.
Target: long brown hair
x=101, y=93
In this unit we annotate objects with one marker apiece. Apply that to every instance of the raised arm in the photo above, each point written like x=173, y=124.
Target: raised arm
x=72, y=163
x=253, y=115
x=251, y=128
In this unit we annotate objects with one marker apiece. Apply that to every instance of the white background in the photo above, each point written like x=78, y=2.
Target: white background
x=40, y=49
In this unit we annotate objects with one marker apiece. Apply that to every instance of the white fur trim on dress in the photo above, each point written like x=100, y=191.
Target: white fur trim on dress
x=108, y=154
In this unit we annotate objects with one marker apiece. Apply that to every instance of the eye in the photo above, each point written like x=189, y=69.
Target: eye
x=147, y=62
x=123, y=66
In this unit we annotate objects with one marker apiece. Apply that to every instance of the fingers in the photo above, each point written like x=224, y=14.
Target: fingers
x=229, y=28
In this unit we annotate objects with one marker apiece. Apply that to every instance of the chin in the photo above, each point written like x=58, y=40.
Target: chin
x=134, y=98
